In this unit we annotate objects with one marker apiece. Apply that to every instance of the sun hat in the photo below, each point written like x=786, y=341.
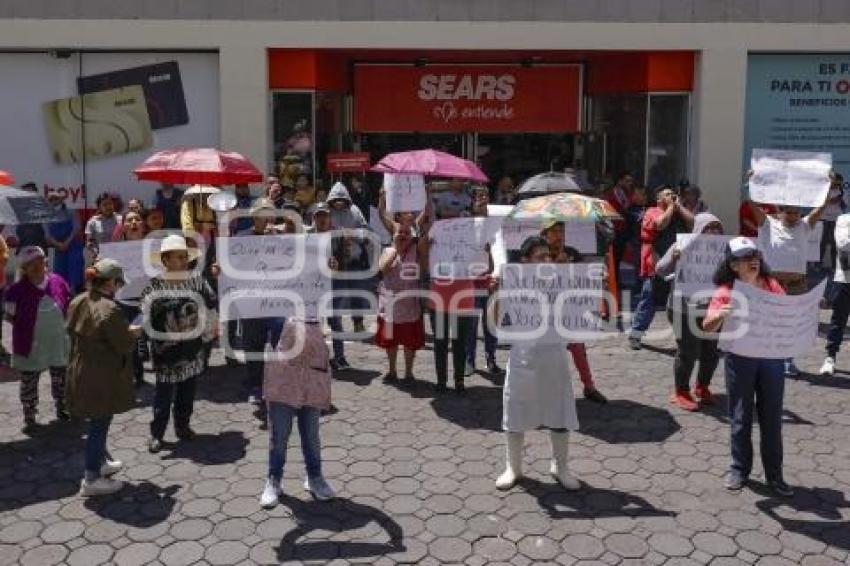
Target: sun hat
x=29, y=253
x=109, y=269
x=740, y=247
x=260, y=205
x=174, y=243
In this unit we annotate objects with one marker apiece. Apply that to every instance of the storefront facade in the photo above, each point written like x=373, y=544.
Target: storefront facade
x=658, y=98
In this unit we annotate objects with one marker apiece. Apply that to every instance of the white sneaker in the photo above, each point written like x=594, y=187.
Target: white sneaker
x=270, y=495
x=319, y=488
x=100, y=486
x=828, y=367
x=110, y=468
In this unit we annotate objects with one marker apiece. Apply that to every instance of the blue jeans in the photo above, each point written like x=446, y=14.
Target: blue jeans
x=335, y=324
x=472, y=337
x=280, y=421
x=645, y=309
x=96, y=446
x=755, y=386
x=840, y=313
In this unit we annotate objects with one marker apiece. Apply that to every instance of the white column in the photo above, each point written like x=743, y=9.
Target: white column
x=245, y=109
x=718, y=130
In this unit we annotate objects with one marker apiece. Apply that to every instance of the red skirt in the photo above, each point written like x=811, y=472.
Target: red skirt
x=408, y=335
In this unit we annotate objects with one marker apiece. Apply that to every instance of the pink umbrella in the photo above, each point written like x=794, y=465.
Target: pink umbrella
x=201, y=166
x=430, y=162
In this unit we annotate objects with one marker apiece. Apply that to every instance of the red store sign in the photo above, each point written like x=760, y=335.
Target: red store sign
x=348, y=162
x=467, y=98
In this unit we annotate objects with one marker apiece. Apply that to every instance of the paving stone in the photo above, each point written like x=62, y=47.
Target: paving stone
x=62, y=531
x=583, y=546
x=627, y=546
x=671, y=544
x=538, y=548
x=44, y=555
x=758, y=543
x=446, y=525
x=715, y=544
x=90, y=555
x=226, y=552
x=495, y=549
x=137, y=554
x=182, y=553
x=449, y=549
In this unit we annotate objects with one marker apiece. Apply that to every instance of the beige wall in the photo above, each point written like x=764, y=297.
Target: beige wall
x=718, y=99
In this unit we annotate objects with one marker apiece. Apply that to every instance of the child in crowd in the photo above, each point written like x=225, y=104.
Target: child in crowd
x=36, y=306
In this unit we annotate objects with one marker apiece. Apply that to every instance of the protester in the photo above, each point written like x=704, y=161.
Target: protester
x=154, y=220
x=687, y=316
x=351, y=252
x=840, y=294
x=297, y=387
x=64, y=237
x=619, y=197
x=453, y=202
x=787, y=236
x=834, y=208
x=36, y=305
x=553, y=235
x=399, y=307
x=99, y=381
x=244, y=201
x=305, y=193
x=174, y=301
x=137, y=206
x=505, y=191
x=659, y=228
x=753, y=385
x=196, y=216
x=692, y=199
x=30, y=234
x=101, y=227
x=168, y=199
x=538, y=393
x=4, y=259
x=132, y=228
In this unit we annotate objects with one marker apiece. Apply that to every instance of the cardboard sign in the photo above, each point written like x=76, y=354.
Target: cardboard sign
x=274, y=276
x=551, y=303
x=130, y=254
x=701, y=255
x=405, y=193
x=467, y=98
x=765, y=325
x=459, y=246
x=795, y=178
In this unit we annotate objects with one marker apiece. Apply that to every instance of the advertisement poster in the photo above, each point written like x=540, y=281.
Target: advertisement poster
x=799, y=102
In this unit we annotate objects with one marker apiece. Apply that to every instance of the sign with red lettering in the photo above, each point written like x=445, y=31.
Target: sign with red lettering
x=467, y=98
x=354, y=162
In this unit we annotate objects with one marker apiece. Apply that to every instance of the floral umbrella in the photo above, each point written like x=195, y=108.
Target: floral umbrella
x=564, y=207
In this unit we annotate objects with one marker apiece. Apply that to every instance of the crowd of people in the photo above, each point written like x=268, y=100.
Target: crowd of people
x=94, y=346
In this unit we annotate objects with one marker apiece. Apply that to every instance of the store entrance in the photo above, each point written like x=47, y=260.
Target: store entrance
x=380, y=144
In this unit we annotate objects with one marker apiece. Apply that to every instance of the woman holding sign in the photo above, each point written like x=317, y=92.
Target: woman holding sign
x=753, y=385
x=538, y=394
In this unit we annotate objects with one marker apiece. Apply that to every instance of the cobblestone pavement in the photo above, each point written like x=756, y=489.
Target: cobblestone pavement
x=415, y=475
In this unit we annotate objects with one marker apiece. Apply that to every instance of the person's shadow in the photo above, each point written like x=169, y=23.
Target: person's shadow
x=480, y=408
x=589, y=502
x=823, y=502
x=141, y=505
x=337, y=516
x=625, y=422
x=209, y=449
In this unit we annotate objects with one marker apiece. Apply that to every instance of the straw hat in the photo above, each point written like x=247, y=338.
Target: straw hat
x=174, y=243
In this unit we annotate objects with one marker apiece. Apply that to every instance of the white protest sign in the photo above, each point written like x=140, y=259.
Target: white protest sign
x=766, y=325
x=459, y=246
x=795, y=178
x=781, y=252
x=378, y=227
x=130, y=254
x=549, y=303
x=813, y=251
x=405, y=193
x=499, y=209
x=274, y=276
x=581, y=236
x=701, y=255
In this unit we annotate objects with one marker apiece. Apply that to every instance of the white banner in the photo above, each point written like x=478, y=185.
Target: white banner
x=549, y=302
x=795, y=178
x=130, y=254
x=766, y=325
x=459, y=246
x=405, y=193
x=701, y=255
x=274, y=276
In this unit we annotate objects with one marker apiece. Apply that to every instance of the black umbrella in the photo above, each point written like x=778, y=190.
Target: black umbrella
x=548, y=183
x=24, y=207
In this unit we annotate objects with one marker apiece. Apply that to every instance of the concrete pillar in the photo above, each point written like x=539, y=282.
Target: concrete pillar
x=245, y=123
x=718, y=130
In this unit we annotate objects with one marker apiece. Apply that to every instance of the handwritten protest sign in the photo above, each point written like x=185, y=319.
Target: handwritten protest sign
x=813, y=250
x=459, y=247
x=269, y=276
x=701, y=255
x=378, y=227
x=404, y=192
x=765, y=325
x=796, y=178
x=549, y=302
x=130, y=254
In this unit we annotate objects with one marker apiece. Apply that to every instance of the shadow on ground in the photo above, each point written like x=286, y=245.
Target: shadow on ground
x=825, y=503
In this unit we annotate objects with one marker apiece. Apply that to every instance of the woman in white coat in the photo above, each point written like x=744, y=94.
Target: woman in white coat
x=538, y=393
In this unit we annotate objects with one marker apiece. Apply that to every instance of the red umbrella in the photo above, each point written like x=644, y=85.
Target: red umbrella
x=430, y=162
x=6, y=178
x=200, y=166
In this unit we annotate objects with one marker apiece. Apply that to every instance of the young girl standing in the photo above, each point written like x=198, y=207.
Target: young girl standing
x=36, y=306
x=177, y=303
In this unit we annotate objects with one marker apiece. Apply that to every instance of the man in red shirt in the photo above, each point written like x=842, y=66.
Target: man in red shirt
x=748, y=222
x=659, y=228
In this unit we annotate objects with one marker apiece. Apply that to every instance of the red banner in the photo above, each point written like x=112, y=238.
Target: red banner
x=348, y=162
x=467, y=98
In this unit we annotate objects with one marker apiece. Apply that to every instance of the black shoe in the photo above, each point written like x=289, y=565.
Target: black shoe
x=780, y=488
x=734, y=482
x=494, y=369
x=441, y=387
x=63, y=415
x=231, y=362
x=390, y=377
x=332, y=410
x=592, y=394
x=460, y=388
x=186, y=434
x=634, y=343
x=154, y=445
x=409, y=379
x=342, y=364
